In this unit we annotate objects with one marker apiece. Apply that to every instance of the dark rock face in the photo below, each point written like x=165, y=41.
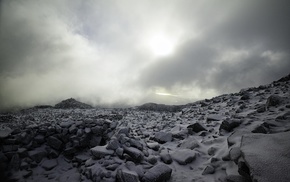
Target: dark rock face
x=274, y=100
x=158, y=173
x=127, y=176
x=163, y=137
x=196, y=127
x=72, y=104
x=229, y=125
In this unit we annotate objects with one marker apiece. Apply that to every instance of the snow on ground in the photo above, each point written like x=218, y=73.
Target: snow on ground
x=232, y=137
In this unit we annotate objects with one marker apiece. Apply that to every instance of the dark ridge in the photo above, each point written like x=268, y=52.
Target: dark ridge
x=72, y=104
x=161, y=107
x=283, y=79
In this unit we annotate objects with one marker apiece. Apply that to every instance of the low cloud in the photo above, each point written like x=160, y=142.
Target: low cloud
x=96, y=50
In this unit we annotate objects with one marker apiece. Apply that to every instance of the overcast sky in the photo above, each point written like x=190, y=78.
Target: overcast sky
x=130, y=52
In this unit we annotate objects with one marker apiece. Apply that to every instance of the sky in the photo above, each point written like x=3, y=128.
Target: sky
x=128, y=52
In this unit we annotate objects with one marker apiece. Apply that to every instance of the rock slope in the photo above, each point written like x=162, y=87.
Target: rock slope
x=233, y=137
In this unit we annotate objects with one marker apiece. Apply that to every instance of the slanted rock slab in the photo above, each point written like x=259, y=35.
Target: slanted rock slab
x=267, y=156
x=183, y=156
x=160, y=172
x=101, y=151
x=49, y=164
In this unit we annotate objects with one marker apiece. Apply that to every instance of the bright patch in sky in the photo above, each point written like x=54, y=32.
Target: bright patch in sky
x=161, y=45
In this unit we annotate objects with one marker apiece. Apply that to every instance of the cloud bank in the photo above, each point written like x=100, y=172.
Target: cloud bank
x=97, y=51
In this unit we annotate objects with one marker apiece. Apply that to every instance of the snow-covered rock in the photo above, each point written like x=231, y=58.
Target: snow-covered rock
x=160, y=172
x=267, y=156
x=183, y=156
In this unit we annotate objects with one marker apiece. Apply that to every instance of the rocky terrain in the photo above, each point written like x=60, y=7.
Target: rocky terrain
x=236, y=137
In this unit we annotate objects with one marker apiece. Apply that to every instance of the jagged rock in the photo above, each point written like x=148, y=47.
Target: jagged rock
x=49, y=164
x=274, y=100
x=158, y=173
x=5, y=132
x=211, y=151
x=135, y=143
x=263, y=128
x=229, y=124
x=37, y=155
x=189, y=143
x=196, y=127
x=66, y=124
x=163, y=137
x=214, y=117
x=54, y=143
x=101, y=151
x=113, y=144
x=136, y=154
x=235, y=154
x=153, y=145
x=123, y=130
x=81, y=158
x=165, y=157
x=151, y=159
x=137, y=168
x=267, y=156
x=127, y=176
x=183, y=156
x=208, y=170
x=119, y=151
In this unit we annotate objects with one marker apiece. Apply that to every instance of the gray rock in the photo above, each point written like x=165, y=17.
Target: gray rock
x=235, y=154
x=101, y=151
x=189, y=143
x=165, y=157
x=37, y=155
x=113, y=144
x=54, y=143
x=127, y=176
x=183, y=156
x=151, y=159
x=120, y=152
x=66, y=124
x=136, y=154
x=123, y=130
x=49, y=164
x=158, y=173
x=163, y=137
x=196, y=127
x=274, y=100
x=208, y=170
x=154, y=146
x=5, y=132
x=267, y=156
x=229, y=124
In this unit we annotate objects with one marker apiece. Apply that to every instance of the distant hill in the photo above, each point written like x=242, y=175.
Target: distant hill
x=72, y=104
x=160, y=107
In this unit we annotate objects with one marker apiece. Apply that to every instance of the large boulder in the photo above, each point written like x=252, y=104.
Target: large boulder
x=158, y=173
x=183, y=156
x=163, y=137
x=101, y=151
x=127, y=176
x=267, y=156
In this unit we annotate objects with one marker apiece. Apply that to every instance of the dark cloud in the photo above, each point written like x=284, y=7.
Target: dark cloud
x=97, y=50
